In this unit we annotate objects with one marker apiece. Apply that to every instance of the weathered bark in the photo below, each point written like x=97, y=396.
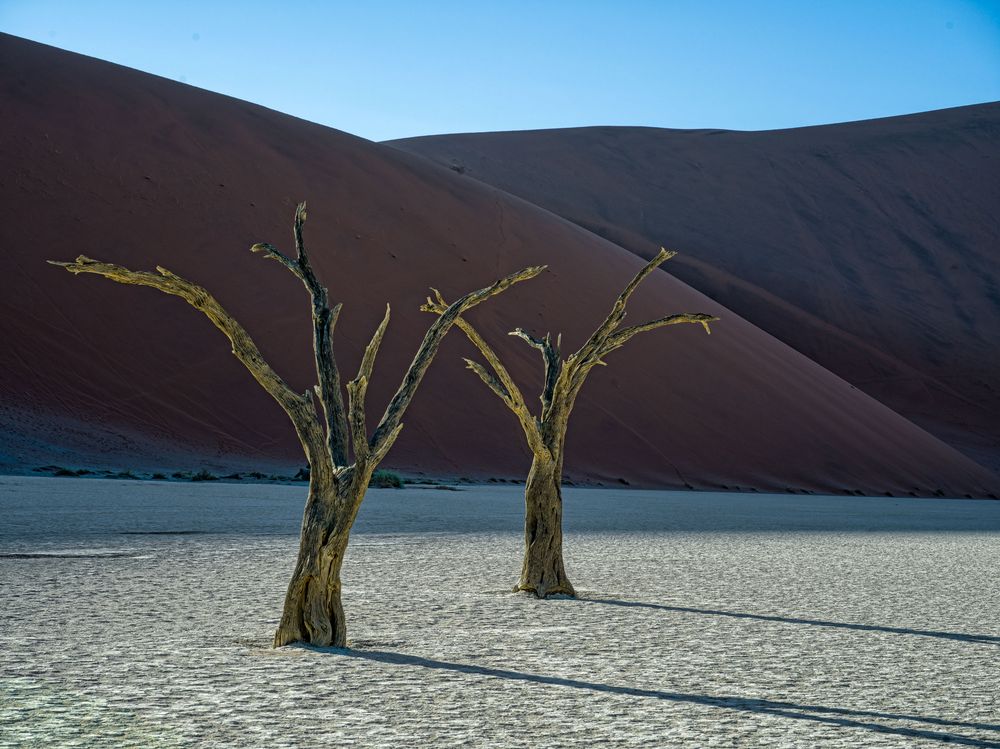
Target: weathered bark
x=313, y=611
x=543, y=571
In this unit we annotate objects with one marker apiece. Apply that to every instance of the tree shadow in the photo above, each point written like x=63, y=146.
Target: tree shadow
x=979, y=639
x=835, y=716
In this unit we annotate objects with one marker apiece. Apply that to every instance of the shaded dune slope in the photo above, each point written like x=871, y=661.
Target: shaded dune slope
x=871, y=247
x=131, y=168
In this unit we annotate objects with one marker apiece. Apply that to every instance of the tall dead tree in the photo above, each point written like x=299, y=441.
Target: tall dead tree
x=543, y=572
x=337, y=481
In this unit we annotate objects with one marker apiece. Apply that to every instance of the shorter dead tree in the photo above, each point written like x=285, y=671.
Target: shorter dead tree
x=313, y=612
x=543, y=572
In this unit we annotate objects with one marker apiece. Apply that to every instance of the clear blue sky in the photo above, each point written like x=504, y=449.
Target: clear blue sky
x=392, y=69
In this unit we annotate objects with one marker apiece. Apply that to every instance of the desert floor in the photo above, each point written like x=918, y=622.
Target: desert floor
x=140, y=613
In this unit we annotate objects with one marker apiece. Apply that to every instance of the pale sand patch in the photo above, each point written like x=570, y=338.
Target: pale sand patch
x=138, y=614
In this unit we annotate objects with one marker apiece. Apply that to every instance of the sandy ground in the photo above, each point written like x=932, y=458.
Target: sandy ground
x=139, y=614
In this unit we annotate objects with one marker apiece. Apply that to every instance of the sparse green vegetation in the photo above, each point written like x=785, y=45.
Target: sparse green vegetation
x=60, y=471
x=204, y=475
x=158, y=477
x=386, y=480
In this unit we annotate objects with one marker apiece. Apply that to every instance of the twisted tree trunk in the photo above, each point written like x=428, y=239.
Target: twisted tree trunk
x=543, y=572
x=313, y=611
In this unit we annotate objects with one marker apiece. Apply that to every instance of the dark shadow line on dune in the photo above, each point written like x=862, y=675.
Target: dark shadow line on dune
x=980, y=639
x=818, y=713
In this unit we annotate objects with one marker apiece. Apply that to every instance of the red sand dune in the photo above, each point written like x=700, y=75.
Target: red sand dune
x=871, y=247
x=131, y=168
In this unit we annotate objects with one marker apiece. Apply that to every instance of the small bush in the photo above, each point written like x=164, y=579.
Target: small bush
x=204, y=475
x=64, y=472
x=158, y=477
x=386, y=480
x=125, y=475
x=256, y=475
x=233, y=477
x=181, y=475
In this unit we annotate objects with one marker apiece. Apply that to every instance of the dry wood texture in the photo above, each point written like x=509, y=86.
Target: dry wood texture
x=543, y=572
x=337, y=482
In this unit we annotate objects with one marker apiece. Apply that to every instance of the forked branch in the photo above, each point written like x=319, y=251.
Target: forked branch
x=324, y=321
x=609, y=336
x=552, y=361
x=392, y=419
x=589, y=352
x=618, y=339
x=491, y=381
x=502, y=384
x=299, y=407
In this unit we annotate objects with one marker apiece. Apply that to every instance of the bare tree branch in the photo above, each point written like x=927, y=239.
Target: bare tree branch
x=299, y=407
x=380, y=450
x=503, y=384
x=324, y=321
x=553, y=364
x=491, y=382
x=590, y=350
x=425, y=353
x=357, y=389
x=618, y=339
x=371, y=350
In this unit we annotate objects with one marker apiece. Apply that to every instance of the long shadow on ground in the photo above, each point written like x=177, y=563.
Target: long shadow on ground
x=818, y=713
x=980, y=639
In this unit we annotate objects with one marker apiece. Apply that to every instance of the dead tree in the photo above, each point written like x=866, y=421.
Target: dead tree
x=543, y=572
x=337, y=482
